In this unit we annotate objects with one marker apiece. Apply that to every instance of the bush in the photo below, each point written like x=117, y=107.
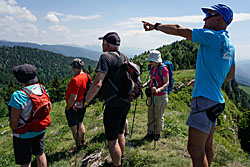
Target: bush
x=244, y=131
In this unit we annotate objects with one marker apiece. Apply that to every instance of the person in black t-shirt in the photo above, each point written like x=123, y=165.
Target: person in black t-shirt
x=116, y=110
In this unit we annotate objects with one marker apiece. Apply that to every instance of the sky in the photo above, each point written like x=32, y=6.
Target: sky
x=81, y=22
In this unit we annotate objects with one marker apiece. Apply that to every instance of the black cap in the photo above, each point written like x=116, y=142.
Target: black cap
x=112, y=38
x=25, y=73
x=77, y=63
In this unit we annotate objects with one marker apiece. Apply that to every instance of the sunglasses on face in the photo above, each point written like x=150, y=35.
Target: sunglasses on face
x=208, y=15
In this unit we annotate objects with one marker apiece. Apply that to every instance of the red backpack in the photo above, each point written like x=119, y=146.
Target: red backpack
x=39, y=118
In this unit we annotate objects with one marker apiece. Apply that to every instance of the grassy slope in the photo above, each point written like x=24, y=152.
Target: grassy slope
x=170, y=150
x=245, y=88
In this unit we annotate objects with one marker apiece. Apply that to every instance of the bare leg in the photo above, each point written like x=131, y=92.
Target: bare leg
x=121, y=141
x=209, y=148
x=73, y=130
x=26, y=165
x=41, y=160
x=196, y=147
x=82, y=130
x=126, y=127
x=115, y=152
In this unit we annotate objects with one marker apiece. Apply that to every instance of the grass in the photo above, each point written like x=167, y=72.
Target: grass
x=170, y=150
x=245, y=88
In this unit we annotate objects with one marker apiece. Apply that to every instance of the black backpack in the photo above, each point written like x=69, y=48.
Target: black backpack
x=87, y=85
x=124, y=81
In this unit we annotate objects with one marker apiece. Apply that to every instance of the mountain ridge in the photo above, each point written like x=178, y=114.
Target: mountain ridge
x=66, y=50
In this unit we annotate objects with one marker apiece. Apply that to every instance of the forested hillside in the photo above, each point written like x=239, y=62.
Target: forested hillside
x=182, y=53
x=49, y=64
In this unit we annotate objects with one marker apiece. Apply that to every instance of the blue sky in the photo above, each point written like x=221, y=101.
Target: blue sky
x=81, y=22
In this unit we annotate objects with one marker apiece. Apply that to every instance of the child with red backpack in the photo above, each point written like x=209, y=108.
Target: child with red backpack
x=29, y=116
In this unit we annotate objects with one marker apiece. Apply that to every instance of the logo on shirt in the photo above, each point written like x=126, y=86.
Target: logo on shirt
x=228, y=54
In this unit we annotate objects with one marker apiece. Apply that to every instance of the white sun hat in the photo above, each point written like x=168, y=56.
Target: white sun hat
x=155, y=56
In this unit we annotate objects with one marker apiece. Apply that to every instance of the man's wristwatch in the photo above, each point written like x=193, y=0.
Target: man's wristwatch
x=85, y=104
x=156, y=25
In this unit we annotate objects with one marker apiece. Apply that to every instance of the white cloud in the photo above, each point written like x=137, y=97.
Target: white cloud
x=12, y=2
x=19, y=13
x=241, y=17
x=16, y=22
x=74, y=17
x=52, y=18
x=55, y=17
x=59, y=28
x=135, y=22
x=181, y=19
x=13, y=28
x=44, y=33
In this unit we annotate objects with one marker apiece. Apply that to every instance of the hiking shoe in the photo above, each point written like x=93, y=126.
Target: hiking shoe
x=78, y=148
x=149, y=137
x=157, y=137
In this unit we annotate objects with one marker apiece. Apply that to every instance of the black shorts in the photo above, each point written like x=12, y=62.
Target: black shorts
x=24, y=148
x=73, y=117
x=114, y=120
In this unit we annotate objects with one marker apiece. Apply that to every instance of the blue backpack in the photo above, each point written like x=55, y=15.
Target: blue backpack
x=169, y=65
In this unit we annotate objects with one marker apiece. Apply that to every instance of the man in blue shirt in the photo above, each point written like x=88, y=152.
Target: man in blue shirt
x=215, y=64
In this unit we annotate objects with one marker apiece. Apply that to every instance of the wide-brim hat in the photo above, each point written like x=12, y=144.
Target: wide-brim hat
x=25, y=73
x=155, y=56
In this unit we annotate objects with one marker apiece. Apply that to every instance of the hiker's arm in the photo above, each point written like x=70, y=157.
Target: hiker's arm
x=71, y=101
x=15, y=116
x=191, y=83
x=164, y=86
x=166, y=83
x=144, y=85
x=172, y=29
x=95, y=87
x=231, y=73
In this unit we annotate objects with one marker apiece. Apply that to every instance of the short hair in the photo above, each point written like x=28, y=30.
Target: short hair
x=115, y=47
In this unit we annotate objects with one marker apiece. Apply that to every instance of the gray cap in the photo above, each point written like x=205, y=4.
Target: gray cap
x=77, y=63
x=26, y=73
x=155, y=56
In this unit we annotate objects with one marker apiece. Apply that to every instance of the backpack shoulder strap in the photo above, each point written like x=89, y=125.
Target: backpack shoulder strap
x=88, y=76
x=27, y=91
x=149, y=73
x=160, y=69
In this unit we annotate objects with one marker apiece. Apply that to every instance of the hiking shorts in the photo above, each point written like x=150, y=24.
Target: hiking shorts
x=24, y=148
x=114, y=119
x=199, y=120
x=73, y=116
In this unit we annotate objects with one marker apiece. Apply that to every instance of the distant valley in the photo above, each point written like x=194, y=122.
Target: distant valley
x=243, y=72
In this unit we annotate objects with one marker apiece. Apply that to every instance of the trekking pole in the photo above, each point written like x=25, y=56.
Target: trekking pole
x=133, y=119
x=154, y=85
x=77, y=134
x=154, y=121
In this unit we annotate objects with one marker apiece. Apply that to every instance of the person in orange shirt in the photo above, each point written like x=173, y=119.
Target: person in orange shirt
x=75, y=93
